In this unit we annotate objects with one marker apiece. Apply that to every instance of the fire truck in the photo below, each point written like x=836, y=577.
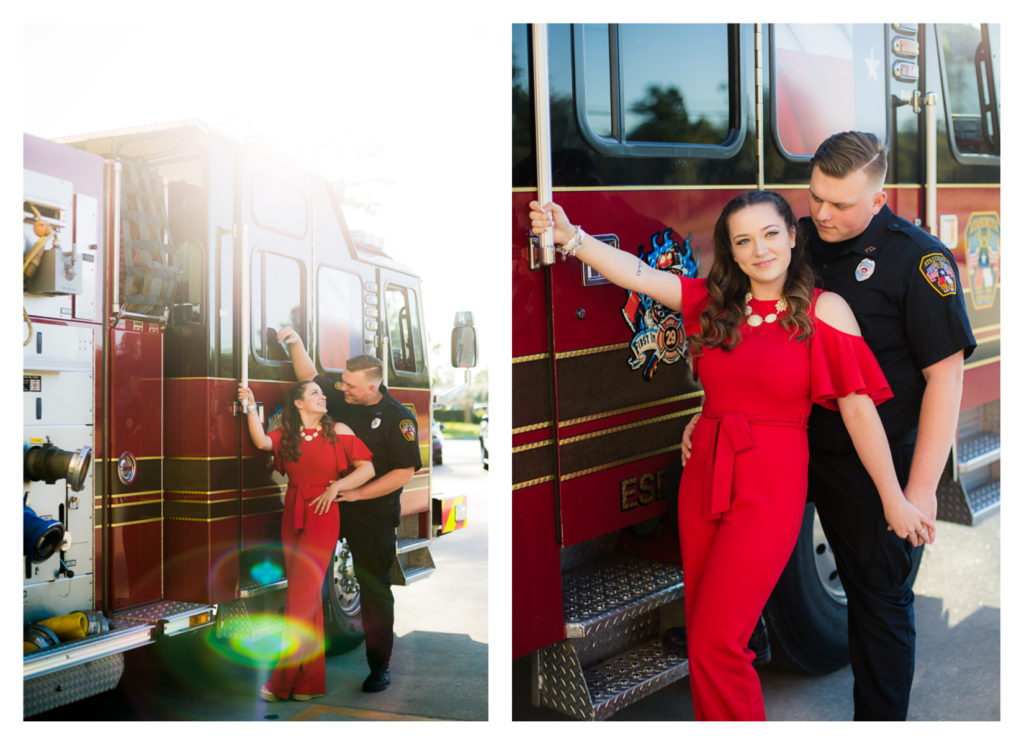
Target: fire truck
x=159, y=262
x=643, y=133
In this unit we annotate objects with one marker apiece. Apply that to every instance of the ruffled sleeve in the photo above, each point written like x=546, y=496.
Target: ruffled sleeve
x=694, y=296
x=842, y=364
x=348, y=449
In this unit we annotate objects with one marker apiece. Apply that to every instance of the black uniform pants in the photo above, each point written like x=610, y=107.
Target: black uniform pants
x=876, y=569
x=370, y=531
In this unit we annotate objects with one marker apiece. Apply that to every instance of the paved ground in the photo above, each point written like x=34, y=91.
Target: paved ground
x=957, y=677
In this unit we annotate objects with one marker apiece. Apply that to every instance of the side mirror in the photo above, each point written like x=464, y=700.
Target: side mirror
x=463, y=340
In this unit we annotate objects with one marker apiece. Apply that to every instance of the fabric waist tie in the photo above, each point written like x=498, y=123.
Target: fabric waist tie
x=305, y=492
x=732, y=435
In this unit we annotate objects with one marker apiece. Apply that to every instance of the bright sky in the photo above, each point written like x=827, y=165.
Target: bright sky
x=395, y=112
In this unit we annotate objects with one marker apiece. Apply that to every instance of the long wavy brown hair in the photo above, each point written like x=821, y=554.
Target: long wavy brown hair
x=291, y=424
x=727, y=284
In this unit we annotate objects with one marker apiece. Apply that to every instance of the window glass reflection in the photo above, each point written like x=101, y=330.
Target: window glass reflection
x=811, y=63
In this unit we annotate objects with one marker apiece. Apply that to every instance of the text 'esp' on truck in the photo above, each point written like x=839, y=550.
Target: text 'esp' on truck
x=159, y=263
x=643, y=133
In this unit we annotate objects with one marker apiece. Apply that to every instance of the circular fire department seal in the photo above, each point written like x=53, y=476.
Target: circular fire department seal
x=670, y=340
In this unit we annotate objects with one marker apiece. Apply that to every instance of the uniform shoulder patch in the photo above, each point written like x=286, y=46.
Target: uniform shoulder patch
x=936, y=269
x=408, y=428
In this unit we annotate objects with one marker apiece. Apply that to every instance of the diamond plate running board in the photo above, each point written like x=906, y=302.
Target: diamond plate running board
x=612, y=656
x=614, y=591
x=602, y=690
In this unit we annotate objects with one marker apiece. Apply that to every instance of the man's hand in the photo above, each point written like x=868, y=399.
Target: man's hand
x=323, y=503
x=924, y=500
x=301, y=361
x=288, y=335
x=909, y=523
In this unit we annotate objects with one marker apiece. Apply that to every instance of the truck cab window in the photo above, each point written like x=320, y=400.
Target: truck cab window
x=339, y=315
x=404, y=330
x=970, y=74
x=811, y=62
x=637, y=93
x=278, y=299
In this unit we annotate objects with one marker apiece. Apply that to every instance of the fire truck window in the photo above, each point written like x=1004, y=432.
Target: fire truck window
x=971, y=107
x=279, y=206
x=339, y=317
x=640, y=86
x=404, y=334
x=809, y=64
x=226, y=289
x=277, y=300
x=597, y=74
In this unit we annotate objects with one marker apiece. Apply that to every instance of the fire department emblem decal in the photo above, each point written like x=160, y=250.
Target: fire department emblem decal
x=657, y=331
x=408, y=429
x=982, y=239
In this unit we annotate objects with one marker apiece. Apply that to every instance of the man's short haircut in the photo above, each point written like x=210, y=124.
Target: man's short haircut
x=374, y=367
x=847, y=152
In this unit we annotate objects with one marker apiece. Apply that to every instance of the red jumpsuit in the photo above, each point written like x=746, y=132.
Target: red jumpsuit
x=308, y=540
x=743, y=491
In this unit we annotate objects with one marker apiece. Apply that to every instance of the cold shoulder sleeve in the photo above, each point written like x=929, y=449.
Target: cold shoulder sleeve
x=842, y=364
x=348, y=449
x=694, y=296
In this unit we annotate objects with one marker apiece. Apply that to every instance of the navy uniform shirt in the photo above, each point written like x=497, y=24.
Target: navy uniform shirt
x=389, y=429
x=904, y=288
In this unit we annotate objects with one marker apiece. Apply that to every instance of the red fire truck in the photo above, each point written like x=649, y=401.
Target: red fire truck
x=159, y=262
x=644, y=132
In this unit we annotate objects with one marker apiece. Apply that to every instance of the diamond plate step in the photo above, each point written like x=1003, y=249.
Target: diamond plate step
x=615, y=590
x=170, y=616
x=596, y=692
x=962, y=506
x=633, y=675
x=412, y=564
x=984, y=497
x=977, y=450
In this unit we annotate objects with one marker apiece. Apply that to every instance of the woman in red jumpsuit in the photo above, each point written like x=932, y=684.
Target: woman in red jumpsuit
x=313, y=451
x=766, y=345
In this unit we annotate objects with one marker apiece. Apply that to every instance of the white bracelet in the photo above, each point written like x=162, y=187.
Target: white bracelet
x=572, y=246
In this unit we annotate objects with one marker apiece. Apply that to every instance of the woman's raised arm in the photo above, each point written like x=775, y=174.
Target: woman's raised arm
x=618, y=267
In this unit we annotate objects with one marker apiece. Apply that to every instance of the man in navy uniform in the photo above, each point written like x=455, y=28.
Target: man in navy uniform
x=904, y=289
x=371, y=513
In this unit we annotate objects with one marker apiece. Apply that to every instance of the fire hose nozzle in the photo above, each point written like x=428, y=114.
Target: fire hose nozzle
x=50, y=464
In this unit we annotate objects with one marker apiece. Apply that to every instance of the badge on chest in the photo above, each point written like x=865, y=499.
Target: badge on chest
x=864, y=269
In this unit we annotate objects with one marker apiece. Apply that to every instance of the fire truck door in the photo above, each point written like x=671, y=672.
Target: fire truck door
x=273, y=251
x=402, y=334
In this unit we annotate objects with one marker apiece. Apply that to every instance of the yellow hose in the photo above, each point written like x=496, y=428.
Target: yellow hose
x=67, y=627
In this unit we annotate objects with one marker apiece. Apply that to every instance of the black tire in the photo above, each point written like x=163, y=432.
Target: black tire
x=806, y=613
x=342, y=607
